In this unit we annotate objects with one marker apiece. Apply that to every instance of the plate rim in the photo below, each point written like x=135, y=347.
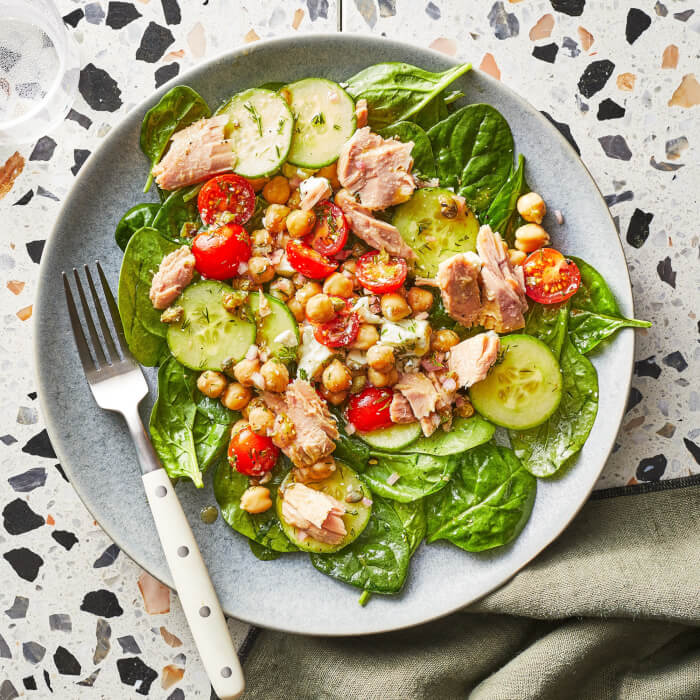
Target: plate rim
x=181, y=79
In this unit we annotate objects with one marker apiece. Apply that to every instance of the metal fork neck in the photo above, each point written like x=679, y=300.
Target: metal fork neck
x=144, y=449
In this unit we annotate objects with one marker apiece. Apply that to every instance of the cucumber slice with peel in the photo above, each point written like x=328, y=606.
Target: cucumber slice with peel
x=325, y=119
x=208, y=335
x=260, y=131
x=394, y=438
x=523, y=388
x=278, y=330
x=345, y=486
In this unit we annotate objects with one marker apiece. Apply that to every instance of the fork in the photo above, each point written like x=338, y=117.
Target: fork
x=118, y=384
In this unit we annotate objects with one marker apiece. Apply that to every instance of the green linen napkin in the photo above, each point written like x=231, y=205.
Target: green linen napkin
x=610, y=610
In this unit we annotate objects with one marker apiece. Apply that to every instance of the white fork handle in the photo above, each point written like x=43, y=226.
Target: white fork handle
x=194, y=587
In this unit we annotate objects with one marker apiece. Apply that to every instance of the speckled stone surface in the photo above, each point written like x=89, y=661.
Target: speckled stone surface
x=77, y=618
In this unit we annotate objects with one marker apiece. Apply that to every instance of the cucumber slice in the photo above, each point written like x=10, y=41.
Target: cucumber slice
x=208, y=335
x=280, y=321
x=324, y=120
x=464, y=434
x=260, y=130
x=393, y=438
x=524, y=388
x=432, y=225
x=340, y=484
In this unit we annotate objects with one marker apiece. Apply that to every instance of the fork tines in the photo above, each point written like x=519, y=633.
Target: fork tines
x=106, y=348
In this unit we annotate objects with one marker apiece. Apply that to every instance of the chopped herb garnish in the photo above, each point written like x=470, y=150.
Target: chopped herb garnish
x=318, y=119
x=254, y=116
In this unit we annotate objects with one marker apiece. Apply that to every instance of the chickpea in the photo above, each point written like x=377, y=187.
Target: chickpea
x=530, y=237
x=395, y=307
x=419, y=299
x=300, y=223
x=244, y=371
x=337, y=377
x=464, y=407
x=260, y=270
x=283, y=432
x=261, y=238
x=236, y=396
x=319, y=309
x=276, y=376
x=261, y=419
x=294, y=199
x=258, y=183
x=282, y=289
x=381, y=379
x=330, y=172
x=308, y=290
x=338, y=285
x=334, y=398
x=275, y=218
x=516, y=257
x=297, y=309
x=238, y=426
x=316, y=472
x=367, y=336
x=443, y=340
x=277, y=191
x=532, y=207
x=211, y=384
x=256, y=499
x=380, y=357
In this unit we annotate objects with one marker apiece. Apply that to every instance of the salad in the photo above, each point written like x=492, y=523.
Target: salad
x=347, y=288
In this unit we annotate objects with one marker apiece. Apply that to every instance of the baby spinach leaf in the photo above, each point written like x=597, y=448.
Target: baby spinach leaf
x=263, y=528
x=144, y=332
x=173, y=214
x=210, y=438
x=549, y=323
x=172, y=421
x=473, y=151
x=177, y=109
x=378, y=559
x=263, y=553
x=593, y=294
x=503, y=208
x=422, y=152
x=214, y=410
x=435, y=111
x=413, y=520
x=137, y=217
x=256, y=220
x=587, y=329
x=464, y=434
x=546, y=448
x=487, y=502
x=396, y=91
x=419, y=474
x=350, y=448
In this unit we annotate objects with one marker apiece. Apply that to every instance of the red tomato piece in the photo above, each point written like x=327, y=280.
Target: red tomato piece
x=308, y=261
x=369, y=410
x=381, y=273
x=227, y=198
x=330, y=233
x=252, y=454
x=340, y=331
x=218, y=252
x=550, y=277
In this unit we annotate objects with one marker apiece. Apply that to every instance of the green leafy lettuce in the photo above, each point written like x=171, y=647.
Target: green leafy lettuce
x=486, y=503
x=396, y=91
x=136, y=218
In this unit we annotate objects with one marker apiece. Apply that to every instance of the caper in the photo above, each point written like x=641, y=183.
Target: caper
x=448, y=207
x=354, y=495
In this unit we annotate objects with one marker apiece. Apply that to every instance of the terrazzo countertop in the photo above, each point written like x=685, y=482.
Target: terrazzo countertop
x=77, y=618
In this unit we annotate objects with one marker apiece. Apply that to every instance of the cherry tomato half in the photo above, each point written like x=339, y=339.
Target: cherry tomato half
x=308, y=261
x=228, y=198
x=369, y=410
x=219, y=251
x=340, y=331
x=550, y=277
x=252, y=454
x=380, y=272
x=330, y=233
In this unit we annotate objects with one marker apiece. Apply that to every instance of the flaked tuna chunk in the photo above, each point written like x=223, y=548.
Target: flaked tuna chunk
x=458, y=279
x=173, y=275
x=312, y=191
x=471, y=359
x=361, y=113
x=199, y=151
x=446, y=388
x=314, y=513
x=400, y=409
x=376, y=233
x=376, y=169
x=502, y=286
x=314, y=428
x=422, y=398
